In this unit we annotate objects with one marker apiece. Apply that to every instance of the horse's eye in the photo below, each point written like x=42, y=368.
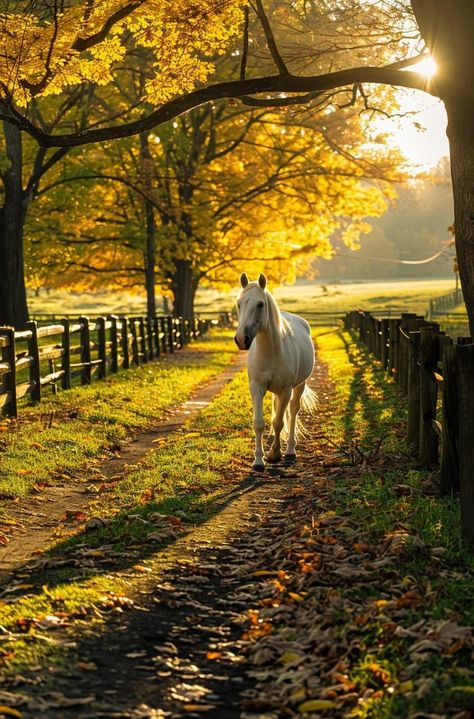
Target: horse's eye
x=260, y=305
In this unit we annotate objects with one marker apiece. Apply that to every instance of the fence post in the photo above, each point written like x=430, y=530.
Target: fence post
x=170, y=328
x=413, y=419
x=114, y=353
x=449, y=479
x=124, y=342
x=404, y=349
x=102, y=349
x=428, y=449
x=384, y=344
x=142, y=337
x=9, y=356
x=396, y=352
x=85, y=350
x=151, y=344
x=465, y=365
x=66, y=358
x=156, y=336
x=35, y=368
x=135, y=338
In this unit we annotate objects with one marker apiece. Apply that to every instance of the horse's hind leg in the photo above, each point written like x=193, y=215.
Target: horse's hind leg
x=295, y=403
x=274, y=455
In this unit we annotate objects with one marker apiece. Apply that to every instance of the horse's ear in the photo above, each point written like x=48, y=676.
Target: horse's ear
x=262, y=281
x=244, y=280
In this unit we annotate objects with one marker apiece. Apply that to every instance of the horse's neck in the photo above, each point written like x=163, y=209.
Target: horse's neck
x=270, y=338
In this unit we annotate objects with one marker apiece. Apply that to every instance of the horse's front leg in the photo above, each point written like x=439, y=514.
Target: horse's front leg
x=258, y=393
x=274, y=455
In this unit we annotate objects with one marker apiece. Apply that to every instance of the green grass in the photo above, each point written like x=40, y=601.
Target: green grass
x=72, y=429
x=386, y=495
x=191, y=473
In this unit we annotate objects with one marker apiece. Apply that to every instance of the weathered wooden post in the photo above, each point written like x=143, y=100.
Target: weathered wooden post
x=114, y=345
x=142, y=352
x=163, y=333
x=9, y=370
x=85, y=350
x=396, y=353
x=156, y=336
x=125, y=342
x=170, y=333
x=465, y=369
x=413, y=371
x=150, y=331
x=428, y=449
x=384, y=344
x=135, y=340
x=66, y=358
x=449, y=479
x=391, y=347
x=407, y=317
x=35, y=367
x=102, y=346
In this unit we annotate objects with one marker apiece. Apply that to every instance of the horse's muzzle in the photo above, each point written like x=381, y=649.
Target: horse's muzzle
x=245, y=345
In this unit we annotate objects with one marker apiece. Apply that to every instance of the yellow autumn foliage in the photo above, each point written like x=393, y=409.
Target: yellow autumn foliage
x=45, y=50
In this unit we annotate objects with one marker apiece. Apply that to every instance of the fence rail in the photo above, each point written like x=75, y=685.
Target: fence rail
x=436, y=374
x=82, y=350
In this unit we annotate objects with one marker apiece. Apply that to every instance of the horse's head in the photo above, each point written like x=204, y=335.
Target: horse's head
x=252, y=307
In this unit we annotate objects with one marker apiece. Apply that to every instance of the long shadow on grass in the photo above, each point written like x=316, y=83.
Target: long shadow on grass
x=124, y=542
x=373, y=403
x=163, y=651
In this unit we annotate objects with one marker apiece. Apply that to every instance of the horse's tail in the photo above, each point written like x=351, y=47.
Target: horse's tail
x=309, y=402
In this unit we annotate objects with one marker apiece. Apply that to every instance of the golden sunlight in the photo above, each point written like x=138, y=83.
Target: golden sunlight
x=426, y=67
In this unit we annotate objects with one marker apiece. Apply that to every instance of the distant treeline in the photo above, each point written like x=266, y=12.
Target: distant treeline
x=413, y=228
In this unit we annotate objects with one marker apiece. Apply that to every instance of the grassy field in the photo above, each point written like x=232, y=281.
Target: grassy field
x=411, y=295
x=405, y=631
x=73, y=429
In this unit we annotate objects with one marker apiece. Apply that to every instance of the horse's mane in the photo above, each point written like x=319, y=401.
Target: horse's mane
x=281, y=323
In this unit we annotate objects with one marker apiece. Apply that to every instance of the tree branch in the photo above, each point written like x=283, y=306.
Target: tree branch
x=316, y=84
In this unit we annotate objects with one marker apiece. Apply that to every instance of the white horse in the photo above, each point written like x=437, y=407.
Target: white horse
x=280, y=360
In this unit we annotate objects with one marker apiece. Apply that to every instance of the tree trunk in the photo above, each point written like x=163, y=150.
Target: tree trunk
x=461, y=143
x=448, y=30
x=150, y=249
x=13, y=304
x=183, y=285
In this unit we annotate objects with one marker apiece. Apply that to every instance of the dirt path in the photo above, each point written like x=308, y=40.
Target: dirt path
x=177, y=648
x=38, y=517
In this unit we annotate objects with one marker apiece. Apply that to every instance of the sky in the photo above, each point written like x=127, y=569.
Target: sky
x=423, y=146
x=421, y=136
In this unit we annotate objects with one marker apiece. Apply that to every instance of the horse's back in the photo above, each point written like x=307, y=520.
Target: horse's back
x=296, y=321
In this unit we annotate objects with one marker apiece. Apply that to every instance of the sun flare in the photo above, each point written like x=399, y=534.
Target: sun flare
x=426, y=67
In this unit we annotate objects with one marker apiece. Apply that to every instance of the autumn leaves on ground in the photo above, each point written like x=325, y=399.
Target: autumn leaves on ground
x=334, y=588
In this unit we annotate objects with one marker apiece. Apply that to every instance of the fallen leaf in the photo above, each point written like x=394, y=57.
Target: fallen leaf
x=314, y=705
x=213, y=655
x=9, y=712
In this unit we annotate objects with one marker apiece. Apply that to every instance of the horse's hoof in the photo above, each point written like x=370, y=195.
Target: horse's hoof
x=258, y=467
x=289, y=458
x=273, y=460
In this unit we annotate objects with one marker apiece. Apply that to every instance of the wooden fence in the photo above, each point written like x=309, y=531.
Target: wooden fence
x=81, y=350
x=436, y=374
x=441, y=305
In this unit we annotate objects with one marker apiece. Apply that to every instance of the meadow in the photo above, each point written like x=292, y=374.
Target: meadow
x=305, y=296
